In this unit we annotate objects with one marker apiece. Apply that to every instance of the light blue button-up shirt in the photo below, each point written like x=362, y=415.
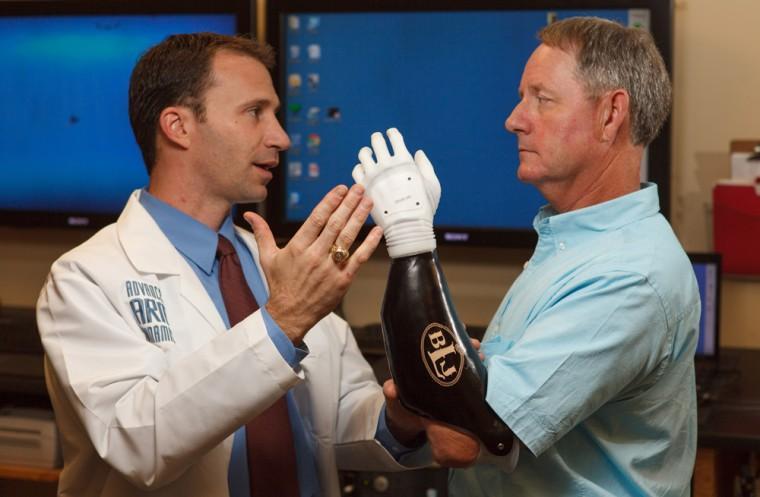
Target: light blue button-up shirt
x=590, y=359
x=197, y=243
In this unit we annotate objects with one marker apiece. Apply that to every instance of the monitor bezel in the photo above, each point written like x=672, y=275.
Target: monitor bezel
x=661, y=25
x=26, y=218
x=713, y=258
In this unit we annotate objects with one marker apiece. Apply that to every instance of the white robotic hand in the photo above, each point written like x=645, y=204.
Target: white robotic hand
x=405, y=192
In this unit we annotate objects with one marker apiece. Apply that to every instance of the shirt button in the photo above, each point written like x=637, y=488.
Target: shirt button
x=562, y=245
x=525, y=266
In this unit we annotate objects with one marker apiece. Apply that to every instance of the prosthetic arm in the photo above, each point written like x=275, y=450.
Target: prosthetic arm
x=437, y=371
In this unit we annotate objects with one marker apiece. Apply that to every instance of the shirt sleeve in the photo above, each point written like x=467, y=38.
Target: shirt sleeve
x=386, y=438
x=293, y=355
x=589, y=343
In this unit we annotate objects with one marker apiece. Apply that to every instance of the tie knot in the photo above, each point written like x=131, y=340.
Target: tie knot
x=224, y=247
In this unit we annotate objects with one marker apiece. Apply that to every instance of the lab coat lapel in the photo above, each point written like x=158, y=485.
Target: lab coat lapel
x=195, y=294
x=150, y=251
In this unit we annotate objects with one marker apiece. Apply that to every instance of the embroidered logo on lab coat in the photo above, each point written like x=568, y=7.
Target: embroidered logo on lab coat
x=149, y=310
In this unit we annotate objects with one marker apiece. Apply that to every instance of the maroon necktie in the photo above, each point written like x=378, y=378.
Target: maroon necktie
x=271, y=453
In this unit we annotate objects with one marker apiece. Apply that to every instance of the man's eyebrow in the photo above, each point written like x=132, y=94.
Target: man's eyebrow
x=256, y=102
x=537, y=88
x=261, y=102
x=532, y=88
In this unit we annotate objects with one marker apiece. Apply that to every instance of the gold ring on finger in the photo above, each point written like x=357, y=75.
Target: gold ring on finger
x=339, y=254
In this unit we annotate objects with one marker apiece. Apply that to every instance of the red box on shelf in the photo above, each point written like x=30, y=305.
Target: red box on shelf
x=736, y=227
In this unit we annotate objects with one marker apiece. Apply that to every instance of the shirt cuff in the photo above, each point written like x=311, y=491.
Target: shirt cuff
x=293, y=355
x=385, y=437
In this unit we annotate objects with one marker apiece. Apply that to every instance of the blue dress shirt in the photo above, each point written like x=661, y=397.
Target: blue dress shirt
x=590, y=359
x=197, y=243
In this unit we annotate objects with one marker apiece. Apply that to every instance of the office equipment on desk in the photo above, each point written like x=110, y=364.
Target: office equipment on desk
x=428, y=482
x=732, y=419
x=745, y=164
x=29, y=437
x=707, y=269
x=22, y=381
x=18, y=331
x=730, y=424
x=736, y=212
x=736, y=227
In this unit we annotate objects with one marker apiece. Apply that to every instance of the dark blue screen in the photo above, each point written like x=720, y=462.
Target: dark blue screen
x=447, y=80
x=65, y=140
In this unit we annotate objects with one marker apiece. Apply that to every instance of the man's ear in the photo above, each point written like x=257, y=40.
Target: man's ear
x=176, y=125
x=613, y=114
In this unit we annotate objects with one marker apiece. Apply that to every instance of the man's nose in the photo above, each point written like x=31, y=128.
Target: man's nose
x=277, y=137
x=515, y=122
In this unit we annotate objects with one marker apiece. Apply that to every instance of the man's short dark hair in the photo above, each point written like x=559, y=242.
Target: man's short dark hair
x=177, y=71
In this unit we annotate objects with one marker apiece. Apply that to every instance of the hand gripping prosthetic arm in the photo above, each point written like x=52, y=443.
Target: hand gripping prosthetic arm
x=436, y=369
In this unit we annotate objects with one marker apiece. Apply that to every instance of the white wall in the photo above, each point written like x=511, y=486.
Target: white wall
x=717, y=99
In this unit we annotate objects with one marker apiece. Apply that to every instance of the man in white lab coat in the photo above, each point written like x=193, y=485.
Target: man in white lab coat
x=150, y=384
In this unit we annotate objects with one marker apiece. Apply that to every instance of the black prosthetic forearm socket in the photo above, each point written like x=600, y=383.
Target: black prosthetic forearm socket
x=437, y=371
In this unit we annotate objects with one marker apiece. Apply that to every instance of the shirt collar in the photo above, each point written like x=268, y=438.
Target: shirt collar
x=571, y=228
x=193, y=239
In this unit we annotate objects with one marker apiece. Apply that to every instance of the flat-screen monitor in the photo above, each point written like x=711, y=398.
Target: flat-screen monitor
x=444, y=73
x=708, y=272
x=67, y=153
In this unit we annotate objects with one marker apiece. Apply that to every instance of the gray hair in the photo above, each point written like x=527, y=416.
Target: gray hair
x=609, y=57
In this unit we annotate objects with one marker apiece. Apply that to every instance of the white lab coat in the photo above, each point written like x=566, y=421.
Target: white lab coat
x=142, y=418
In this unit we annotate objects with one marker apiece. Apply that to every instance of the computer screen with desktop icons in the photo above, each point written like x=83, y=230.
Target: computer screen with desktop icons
x=447, y=79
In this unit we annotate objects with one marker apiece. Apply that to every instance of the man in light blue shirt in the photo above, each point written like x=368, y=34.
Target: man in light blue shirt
x=590, y=355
